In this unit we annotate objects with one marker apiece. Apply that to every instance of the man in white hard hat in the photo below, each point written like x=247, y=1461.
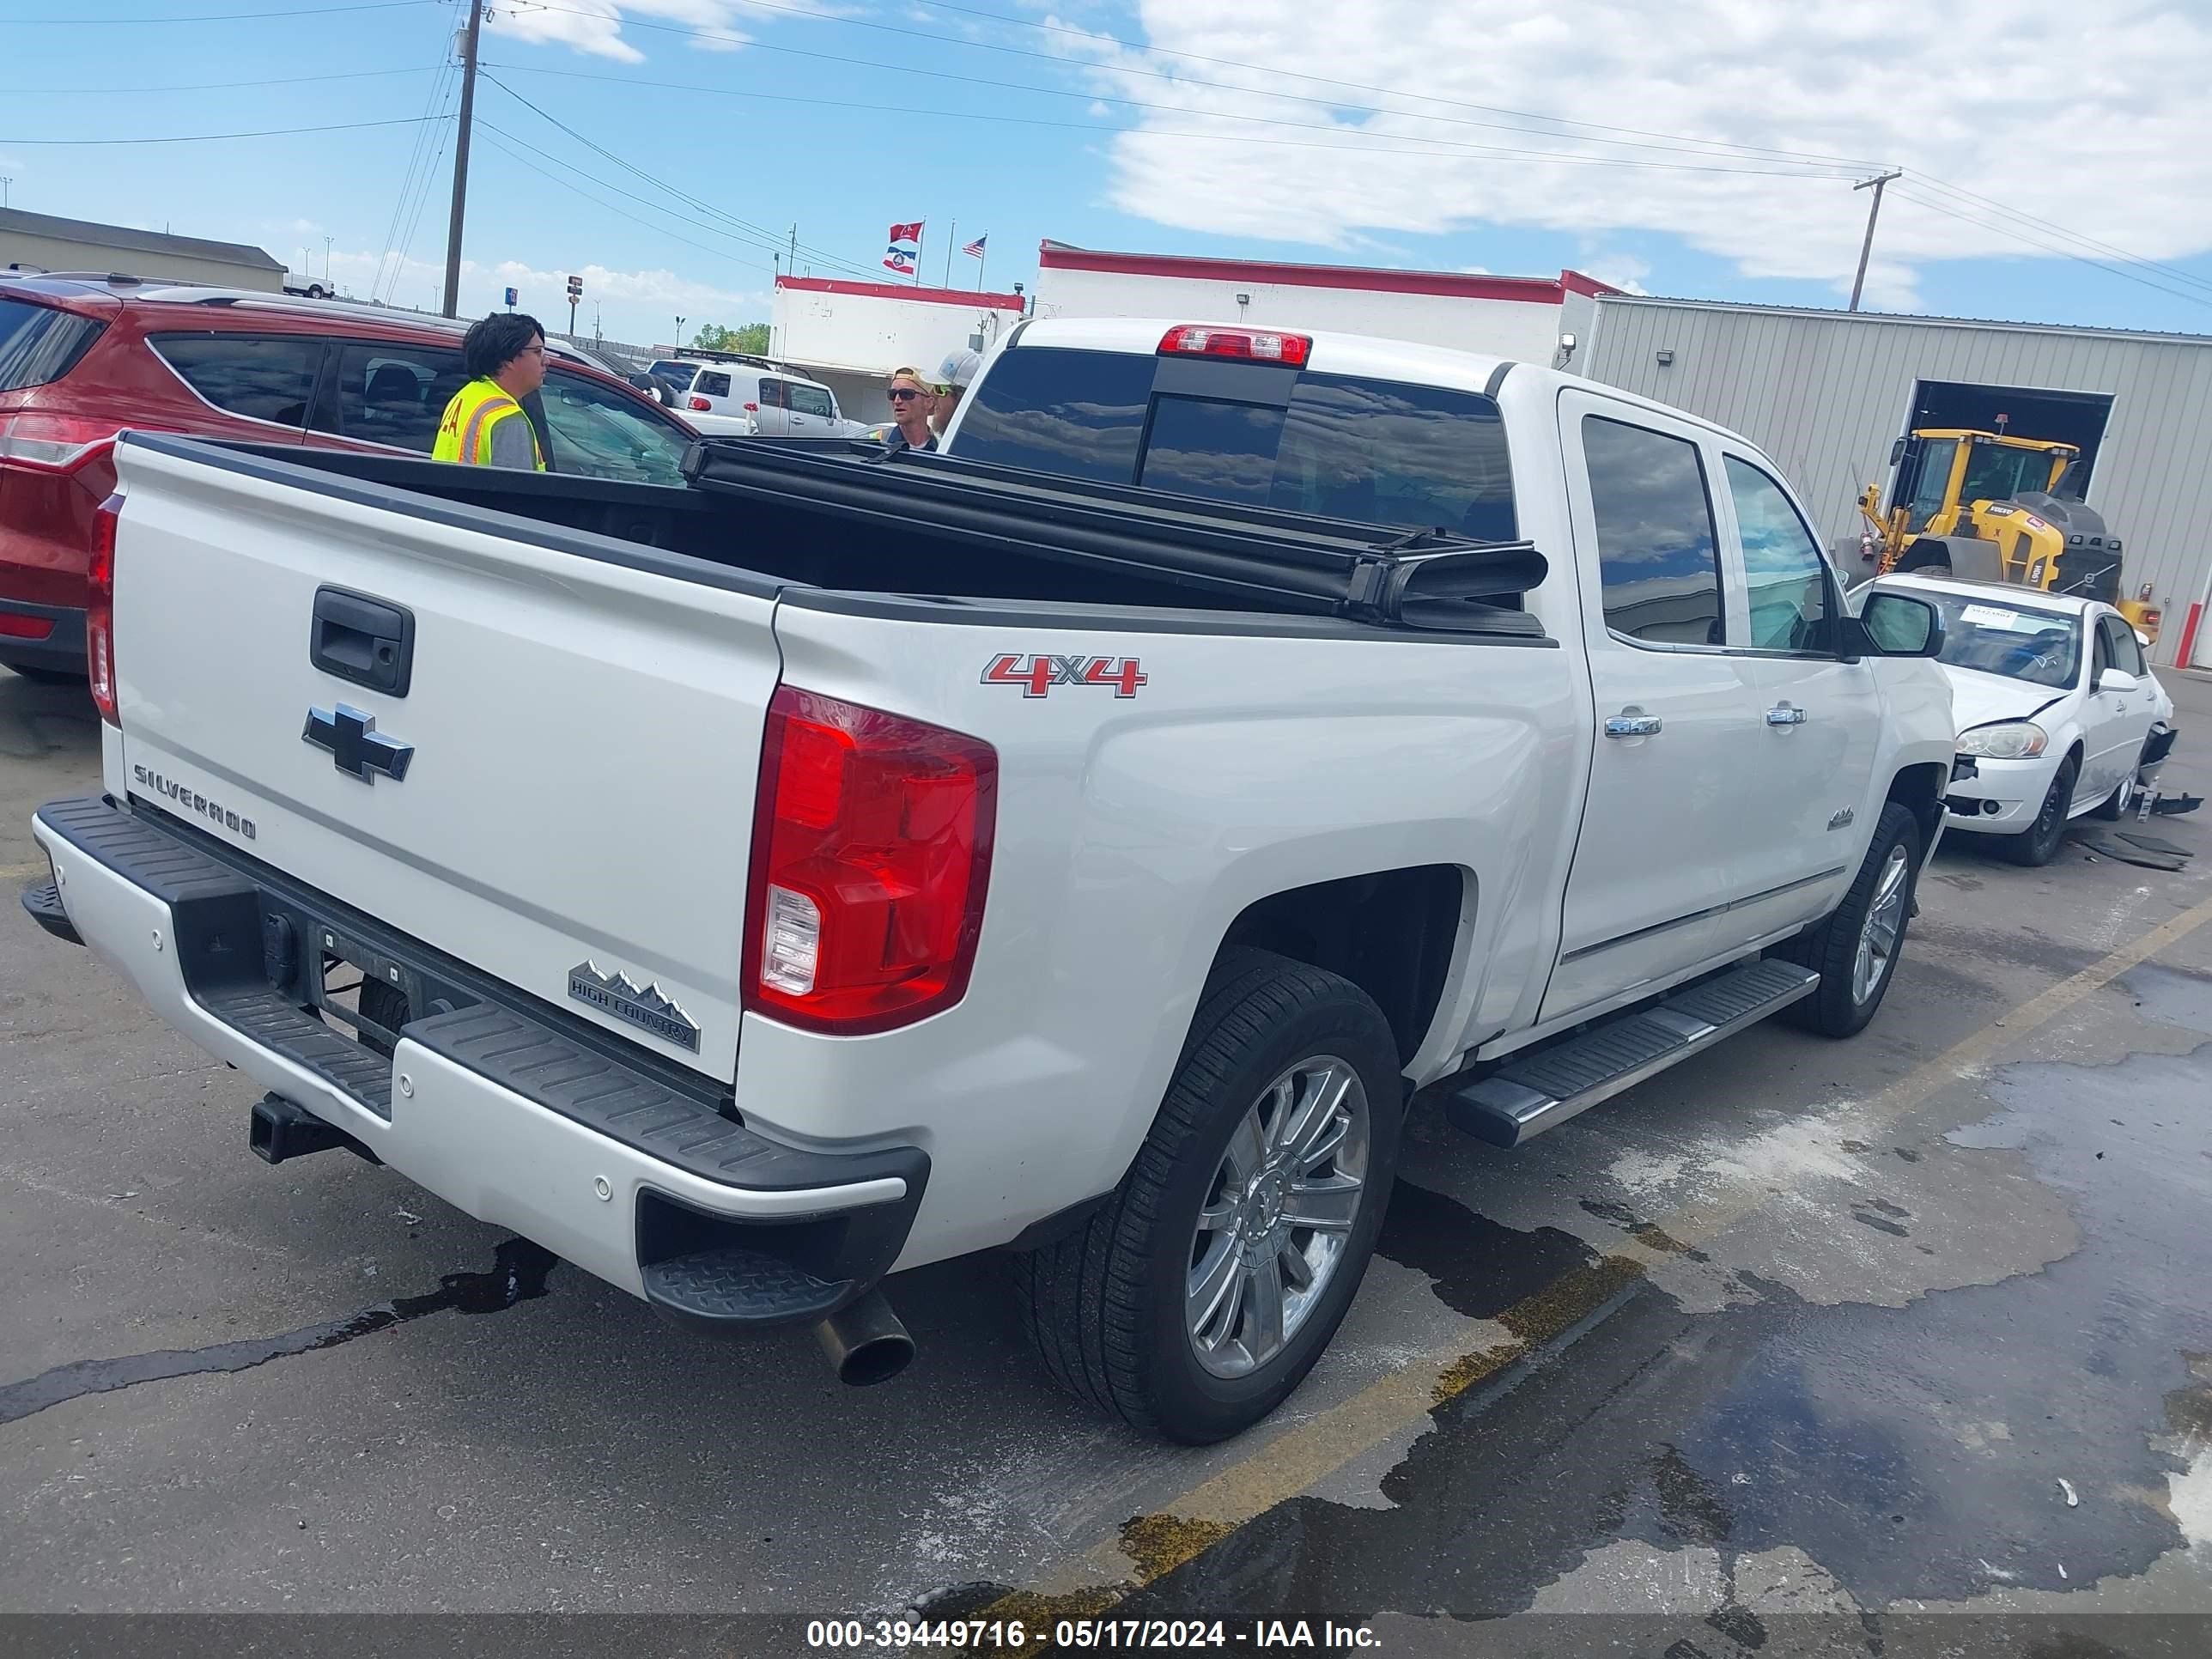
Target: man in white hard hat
x=954, y=376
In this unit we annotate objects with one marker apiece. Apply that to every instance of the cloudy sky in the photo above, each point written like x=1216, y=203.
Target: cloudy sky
x=665, y=150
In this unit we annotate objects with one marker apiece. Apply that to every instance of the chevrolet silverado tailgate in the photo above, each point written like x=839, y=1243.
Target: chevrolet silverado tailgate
x=533, y=749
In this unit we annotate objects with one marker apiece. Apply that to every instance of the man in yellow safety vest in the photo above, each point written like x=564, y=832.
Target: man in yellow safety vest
x=485, y=424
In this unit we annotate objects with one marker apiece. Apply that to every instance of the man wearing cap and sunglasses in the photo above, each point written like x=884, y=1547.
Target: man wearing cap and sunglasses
x=911, y=403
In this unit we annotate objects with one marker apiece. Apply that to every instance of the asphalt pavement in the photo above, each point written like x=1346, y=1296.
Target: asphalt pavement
x=1802, y=1346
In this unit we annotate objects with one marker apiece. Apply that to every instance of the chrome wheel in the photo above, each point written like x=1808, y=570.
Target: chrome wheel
x=1885, y=921
x=1272, y=1231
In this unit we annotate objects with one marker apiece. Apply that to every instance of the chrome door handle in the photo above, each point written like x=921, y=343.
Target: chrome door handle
x=1785, y=714
x=1630, y=725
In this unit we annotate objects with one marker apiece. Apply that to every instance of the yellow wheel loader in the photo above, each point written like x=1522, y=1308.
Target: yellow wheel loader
x=1988, y=507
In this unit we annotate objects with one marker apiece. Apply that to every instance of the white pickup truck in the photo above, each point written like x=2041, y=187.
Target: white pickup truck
x=850, y=861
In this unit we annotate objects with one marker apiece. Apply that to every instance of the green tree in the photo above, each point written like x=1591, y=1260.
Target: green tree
x=713, y=337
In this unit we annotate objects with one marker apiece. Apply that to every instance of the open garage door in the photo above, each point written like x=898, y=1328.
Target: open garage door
x=2069, y=417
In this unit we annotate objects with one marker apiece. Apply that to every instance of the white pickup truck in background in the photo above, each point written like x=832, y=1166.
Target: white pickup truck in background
x=851, y=861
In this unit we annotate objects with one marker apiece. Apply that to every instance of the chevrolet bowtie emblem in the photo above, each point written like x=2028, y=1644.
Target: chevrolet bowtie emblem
x=358, y=748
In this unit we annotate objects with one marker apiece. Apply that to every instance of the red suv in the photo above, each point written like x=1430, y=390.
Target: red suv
x=82, y=357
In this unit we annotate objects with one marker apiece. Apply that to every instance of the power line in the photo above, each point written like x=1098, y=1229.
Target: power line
x=2018, y=234
x=505, y=142
x=766, y=240
x=230, y=16
x=199, y=86
x=417, y=161
x=2038, y=221
x=1452, y=149
x=211, y=137
x=421, y=201
x=1391, y=92
x=1680, y=142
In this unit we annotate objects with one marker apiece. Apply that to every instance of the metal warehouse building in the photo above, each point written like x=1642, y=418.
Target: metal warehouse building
x=1826, y=393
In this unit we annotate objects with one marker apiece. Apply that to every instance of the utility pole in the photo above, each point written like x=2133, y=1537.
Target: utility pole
x=1874, y=211
x=468, y=38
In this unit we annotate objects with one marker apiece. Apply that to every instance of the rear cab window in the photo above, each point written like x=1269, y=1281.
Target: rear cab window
x=38, y=343
x=1658, y=555
x=1344, y=446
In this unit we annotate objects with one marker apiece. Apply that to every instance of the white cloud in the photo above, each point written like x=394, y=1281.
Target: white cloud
x=595, y=26
x=1623, y=271
x=2105, y=129
x=640, y=306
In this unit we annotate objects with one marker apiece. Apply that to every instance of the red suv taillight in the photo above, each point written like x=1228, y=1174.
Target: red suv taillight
x=53, y=443
x=872, y=852
x=700, y=402
x=100, y=613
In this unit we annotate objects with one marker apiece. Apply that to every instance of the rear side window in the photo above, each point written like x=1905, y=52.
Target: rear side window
x=1078, y=414
x=396, y=394
x=711, y=386
x=260, y=376
x=774, y=394
x=1657, y=550
x=38, y=344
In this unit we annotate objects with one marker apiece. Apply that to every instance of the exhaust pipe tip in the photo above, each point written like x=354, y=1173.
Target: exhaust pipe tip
x=866, y=1342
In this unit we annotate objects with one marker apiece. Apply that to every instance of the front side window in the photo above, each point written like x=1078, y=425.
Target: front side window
x=260, y=376
x=1658, y=558
x=2121, y=646
x=396, y=394
x=1785, y=578
x=604, y=434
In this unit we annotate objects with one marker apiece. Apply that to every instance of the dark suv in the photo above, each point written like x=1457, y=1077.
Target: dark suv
x=83, y=357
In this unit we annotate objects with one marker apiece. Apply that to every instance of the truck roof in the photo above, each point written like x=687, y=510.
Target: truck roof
x=1336, y=353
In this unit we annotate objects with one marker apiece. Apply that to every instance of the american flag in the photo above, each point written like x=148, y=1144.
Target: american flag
x=974, y=249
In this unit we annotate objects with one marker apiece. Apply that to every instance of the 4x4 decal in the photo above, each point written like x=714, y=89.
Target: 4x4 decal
x=1037, y=674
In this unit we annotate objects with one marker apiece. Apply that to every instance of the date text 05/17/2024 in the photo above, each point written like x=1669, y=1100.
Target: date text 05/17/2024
x=1014, y=1636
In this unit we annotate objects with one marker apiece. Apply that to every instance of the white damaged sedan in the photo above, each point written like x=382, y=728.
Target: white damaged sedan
x=2055, y=704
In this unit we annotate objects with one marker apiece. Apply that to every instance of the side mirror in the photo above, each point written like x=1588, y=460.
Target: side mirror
x=1899, y=625
x=1897, y=451
x=2116, y=680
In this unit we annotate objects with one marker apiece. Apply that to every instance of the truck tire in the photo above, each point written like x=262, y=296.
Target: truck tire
x=1855, y=950
x=2039, y=843
x=1178, y=1306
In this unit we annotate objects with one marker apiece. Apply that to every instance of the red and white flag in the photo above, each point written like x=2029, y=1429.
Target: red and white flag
x=905, y=249
x=906, y=232
x=900, y=260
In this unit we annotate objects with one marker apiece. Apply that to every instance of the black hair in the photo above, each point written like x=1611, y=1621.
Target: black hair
x=496, y=341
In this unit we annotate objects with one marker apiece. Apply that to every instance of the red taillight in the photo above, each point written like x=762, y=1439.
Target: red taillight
x=698, y=403
x=100, y=613
x=53, y=443
x=1197, y=340
x=15, y=625
x=872, y=852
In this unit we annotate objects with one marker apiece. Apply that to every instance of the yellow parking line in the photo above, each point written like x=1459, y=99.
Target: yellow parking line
x=1295, y=1460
